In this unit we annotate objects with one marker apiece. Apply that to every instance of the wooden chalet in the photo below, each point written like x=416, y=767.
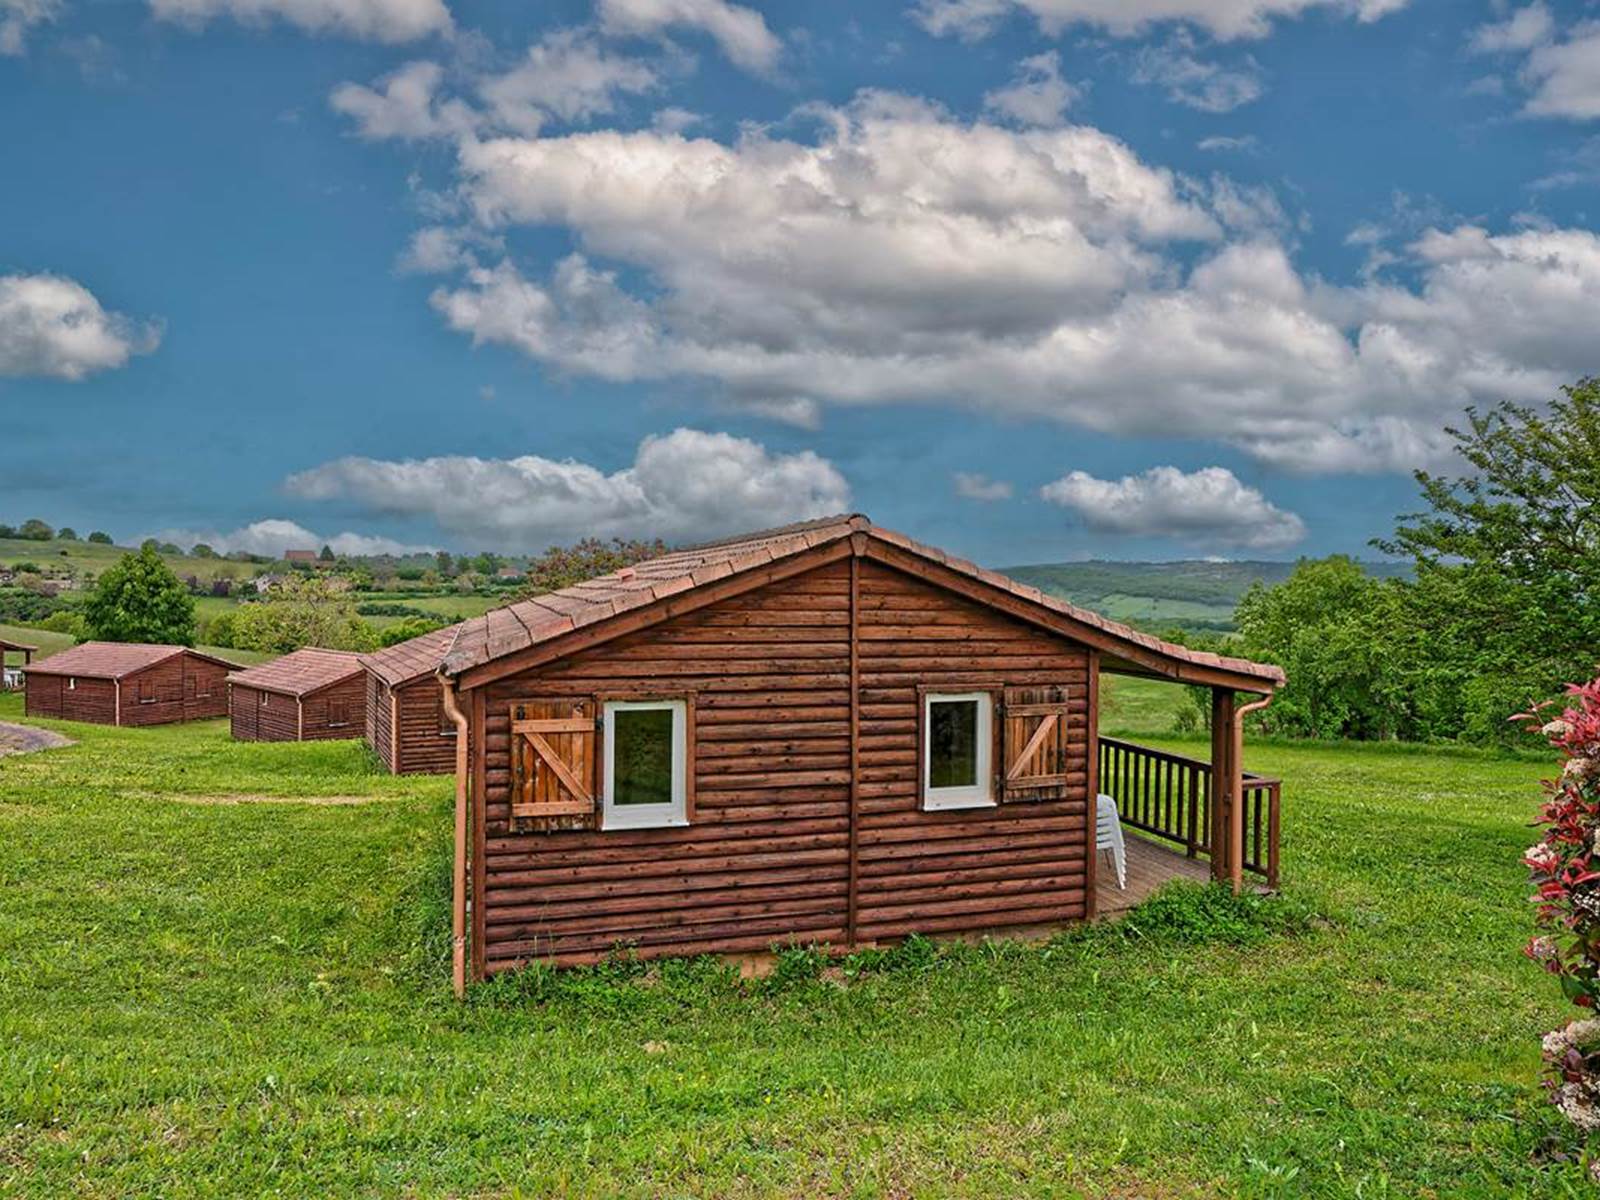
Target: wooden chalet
x=307, y=695
x=826, y=733
x=406, y=722
x=128, y=683
x=11, y=671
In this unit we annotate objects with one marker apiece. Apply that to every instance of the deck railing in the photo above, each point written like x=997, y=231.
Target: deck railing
x=1169, y=796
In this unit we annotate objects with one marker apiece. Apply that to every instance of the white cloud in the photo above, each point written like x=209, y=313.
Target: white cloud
x=906, y=257
x=741, y=32
x=1223, y=19
x=1037, y=95
x=1560, y=71
x=675, y=120
x=1248, y=144
x=373, y=20
x=971, y=486
x=53, y=326
x=1522, y=30
x=406, y=104
x=275, y=535
x=1194, y=82
x=680, y=486
x=1209, y=506
x=437, y=249
x=19, y=16
x=568, y=75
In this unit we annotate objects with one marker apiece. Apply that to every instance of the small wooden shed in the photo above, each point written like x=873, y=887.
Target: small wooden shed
x=406, y=722
x=826, y=732
x=11, y=672
x=307, y=695
x=128, y=683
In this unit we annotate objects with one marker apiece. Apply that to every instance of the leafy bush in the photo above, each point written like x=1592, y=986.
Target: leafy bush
x=65, y=621
x=139, y=599
x=100, y=538
x=1564, y=865
x=404, y=631
x=562, y=566
x=301, y=611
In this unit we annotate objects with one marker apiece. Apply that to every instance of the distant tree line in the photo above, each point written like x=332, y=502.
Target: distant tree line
x=1501, y=611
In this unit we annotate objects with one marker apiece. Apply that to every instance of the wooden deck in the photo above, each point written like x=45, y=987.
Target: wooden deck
x=1149, y=866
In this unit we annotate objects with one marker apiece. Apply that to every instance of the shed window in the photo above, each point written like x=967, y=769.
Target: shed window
x=72, y=683
x=147, y=692
x=645, y=758
x=338, y=712
x=957, y=745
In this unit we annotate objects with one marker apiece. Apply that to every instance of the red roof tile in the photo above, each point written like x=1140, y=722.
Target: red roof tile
x=301, y=672
x=405, y=661
x=112, y=660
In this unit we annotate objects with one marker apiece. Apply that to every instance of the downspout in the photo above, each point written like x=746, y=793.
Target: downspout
x=1236, y=816
x=458, y=879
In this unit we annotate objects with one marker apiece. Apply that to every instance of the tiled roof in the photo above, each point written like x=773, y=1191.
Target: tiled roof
x=527, y=623
x=112, y=660
x=301, y=672
x=405, y=661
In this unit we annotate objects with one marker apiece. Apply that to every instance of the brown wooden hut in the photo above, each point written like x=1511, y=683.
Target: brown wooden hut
x=307, y=695
x=825, y=732
x=11, y=672
x=406, y=722
x=127, y=683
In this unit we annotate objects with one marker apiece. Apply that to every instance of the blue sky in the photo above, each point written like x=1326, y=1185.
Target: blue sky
x=1030, y=279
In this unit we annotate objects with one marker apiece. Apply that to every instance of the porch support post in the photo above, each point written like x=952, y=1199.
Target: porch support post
x=1227, y=783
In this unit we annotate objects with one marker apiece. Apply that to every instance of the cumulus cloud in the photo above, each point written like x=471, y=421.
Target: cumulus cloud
x=1223, y=19
x=681, y=486
x=405, y=104
x=17, y=17
x=1560, y=71
x=1192, y=81
x=907, y=257
x=1210, y=506
x=275, y=535
x=1037, y=95
x=971, y=486
x=568, y=75
x=437, y=249
x=53, y=326
x=1248, y=144
x=372, y=20
x=740, y=32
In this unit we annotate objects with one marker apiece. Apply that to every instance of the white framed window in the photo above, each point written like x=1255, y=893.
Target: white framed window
x=957, y=749
x=646, y=759
x=72, y=683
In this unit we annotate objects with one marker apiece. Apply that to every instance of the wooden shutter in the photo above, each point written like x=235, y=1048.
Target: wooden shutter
x=1035, y=744
x=554, y=758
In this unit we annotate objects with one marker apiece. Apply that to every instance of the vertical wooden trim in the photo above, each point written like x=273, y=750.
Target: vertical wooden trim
x=1092, y=815
x=299, y=718
x=688, y=757
x=480, y=836
x=1225, y=780
x=117, y=714
x=394, y=731
x=854, y=886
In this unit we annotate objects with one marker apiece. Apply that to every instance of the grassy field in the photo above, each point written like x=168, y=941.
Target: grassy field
x=202, y=998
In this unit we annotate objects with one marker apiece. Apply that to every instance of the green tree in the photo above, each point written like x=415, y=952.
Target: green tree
x=561, y=566
x=67, y=534
x=35, y=530
x=404, y=631
x=139, y=599
x=1329, y=625
x=202, y=550
x=302, y=611
x=100, y=538
x=1504, y=608
x=325, y=554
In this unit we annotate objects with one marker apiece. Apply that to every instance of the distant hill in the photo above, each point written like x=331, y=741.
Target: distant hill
x=1194, y=594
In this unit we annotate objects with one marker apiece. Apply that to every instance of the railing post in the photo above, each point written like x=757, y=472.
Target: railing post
x=1226, y=817
x=1273, y=799
x=1192, y=821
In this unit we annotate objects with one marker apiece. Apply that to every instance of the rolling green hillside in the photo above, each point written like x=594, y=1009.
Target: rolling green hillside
x=1195, y=594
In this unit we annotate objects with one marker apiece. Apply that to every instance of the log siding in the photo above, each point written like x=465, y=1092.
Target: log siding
x=181, y=687
x=808, y=823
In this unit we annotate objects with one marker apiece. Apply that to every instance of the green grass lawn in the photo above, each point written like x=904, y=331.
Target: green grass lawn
x=201, y=999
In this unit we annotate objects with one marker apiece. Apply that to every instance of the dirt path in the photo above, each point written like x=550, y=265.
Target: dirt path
x=25, y=739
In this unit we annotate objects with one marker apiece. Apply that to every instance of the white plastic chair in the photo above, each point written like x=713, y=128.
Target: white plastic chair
x=1108, y=836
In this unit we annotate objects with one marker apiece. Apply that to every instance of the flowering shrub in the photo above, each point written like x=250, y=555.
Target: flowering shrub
x=1565, y=868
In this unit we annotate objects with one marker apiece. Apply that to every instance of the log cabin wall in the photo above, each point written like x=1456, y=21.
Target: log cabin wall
x=87, y=700
x=262, y=716
x=767, y=855
x=180, y=688
x=379, y=721
x=336, y=711
x=427, y=741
